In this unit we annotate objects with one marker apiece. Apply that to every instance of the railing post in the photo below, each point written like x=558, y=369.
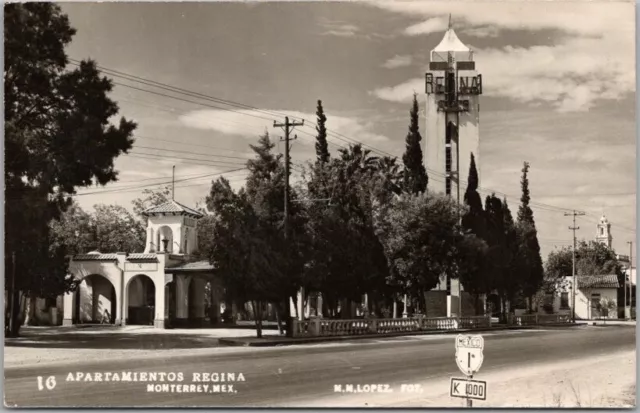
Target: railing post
x=536, y=319
x=373, y=326
x=314, y=326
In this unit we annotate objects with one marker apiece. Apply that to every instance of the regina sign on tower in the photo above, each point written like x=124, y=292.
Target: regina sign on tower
x=469, y=353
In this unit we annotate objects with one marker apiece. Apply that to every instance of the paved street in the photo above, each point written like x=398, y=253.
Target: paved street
x=303, y=375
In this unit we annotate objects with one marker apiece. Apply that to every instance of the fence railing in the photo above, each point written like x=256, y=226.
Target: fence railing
x=538, y=319
x=325, y=327
x=321, y=327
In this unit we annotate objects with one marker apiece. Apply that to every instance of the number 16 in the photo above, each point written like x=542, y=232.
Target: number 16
x=50, y=383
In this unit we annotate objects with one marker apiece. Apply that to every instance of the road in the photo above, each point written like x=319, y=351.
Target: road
x=302, y=375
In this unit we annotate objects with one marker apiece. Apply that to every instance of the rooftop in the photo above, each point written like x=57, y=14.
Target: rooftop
x=598, y=281
x=172, y=207
x=450, y=42
x=194, y=266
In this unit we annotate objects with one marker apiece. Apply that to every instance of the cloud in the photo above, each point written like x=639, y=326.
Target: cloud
x=401, y=93
x=398, y=61
x=486, y=31
x=245, y=123
x=429, y=26
x=339, y=28
x=585, y=18
x=595, y=61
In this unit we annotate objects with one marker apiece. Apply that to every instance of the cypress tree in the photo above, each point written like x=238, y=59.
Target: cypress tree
x=530, y=260
x=415, y=174
x=525, y=214
x=471, y=196
x=322, y=148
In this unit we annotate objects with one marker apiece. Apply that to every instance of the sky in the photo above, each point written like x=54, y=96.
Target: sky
x=558, y=92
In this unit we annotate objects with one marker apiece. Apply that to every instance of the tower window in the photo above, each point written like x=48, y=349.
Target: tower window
x=601, y=231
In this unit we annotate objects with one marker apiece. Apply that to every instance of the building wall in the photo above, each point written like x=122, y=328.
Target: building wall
x=583, y=302
x=469, y=137
x=118, y=273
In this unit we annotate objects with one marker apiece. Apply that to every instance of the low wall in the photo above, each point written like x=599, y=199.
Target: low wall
x=539, y=319
x=318, y=327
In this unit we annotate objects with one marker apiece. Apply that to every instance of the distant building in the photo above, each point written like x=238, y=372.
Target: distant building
x=596, y=297
x=603, y=235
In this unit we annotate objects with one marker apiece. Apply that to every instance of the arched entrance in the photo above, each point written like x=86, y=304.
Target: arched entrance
x=165, y=239
x=95, y=300
x=141, y=300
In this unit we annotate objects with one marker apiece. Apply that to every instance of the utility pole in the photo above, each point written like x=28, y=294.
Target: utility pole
x=173, y=184
x=625, y=282
x=573, y=271
x=13, y=295
x=288, y=126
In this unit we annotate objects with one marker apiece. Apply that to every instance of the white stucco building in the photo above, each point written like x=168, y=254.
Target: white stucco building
x=593, y=292
x=160, y=286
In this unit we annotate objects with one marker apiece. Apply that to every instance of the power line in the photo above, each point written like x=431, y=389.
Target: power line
x=245, y=107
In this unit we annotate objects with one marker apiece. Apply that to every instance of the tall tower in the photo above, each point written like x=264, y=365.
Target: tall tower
x=453, y=87
x=604, y=232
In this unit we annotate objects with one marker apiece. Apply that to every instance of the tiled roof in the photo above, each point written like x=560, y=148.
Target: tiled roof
x=598, y=281
x=191, y=266
x=95, y=257
x=142, y=257
x=172, y=207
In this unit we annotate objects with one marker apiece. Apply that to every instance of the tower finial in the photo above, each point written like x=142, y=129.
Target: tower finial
x=450, y=25
x=173, y=183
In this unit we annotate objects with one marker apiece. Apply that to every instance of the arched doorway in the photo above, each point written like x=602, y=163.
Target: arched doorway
x=95, y=300
x=165, y=239
x=141, y=300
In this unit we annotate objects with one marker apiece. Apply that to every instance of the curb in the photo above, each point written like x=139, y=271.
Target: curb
x=308, y=340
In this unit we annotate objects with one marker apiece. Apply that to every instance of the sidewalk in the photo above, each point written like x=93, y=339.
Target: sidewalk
x=612, y=322
x=275, y=340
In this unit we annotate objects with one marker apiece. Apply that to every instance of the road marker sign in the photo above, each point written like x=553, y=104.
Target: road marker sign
x=469, y=354
x=469, y=389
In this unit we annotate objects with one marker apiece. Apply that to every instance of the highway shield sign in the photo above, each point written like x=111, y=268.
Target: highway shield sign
x=469, y=354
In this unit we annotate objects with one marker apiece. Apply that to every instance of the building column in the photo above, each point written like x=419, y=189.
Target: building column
x=182, y=299
x=121, y=302
x=217, y=299
x=366, y=305
x=301, y=306
x=198, y=302
x=67, y=315
x=159, y=319
x=405, y=313
x=319, y=305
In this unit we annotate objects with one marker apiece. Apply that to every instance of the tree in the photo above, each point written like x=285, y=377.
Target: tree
x=415, y=175
x=530, y=266
x=248, y=243
x=151, y=198
x=499, y=253
x=73, y=231
x=117, y=230
x=474, y=270
x=420, y=236
x=57, y=138
x=345, y=258
x=322, y=147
